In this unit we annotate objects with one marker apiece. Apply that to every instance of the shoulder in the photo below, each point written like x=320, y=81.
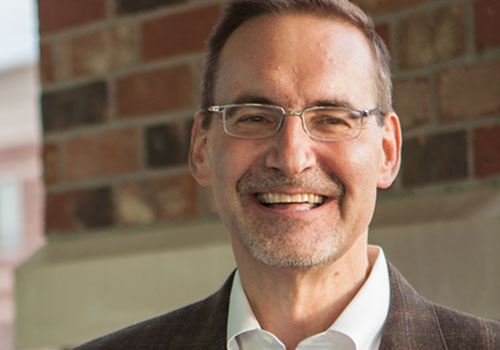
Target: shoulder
x=194, y=326
x=414, y=322
x=463, y=331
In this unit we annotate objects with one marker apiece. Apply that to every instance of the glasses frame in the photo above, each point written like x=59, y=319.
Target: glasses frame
x=221, y=110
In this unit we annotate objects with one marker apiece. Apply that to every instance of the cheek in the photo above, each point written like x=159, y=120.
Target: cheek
x=231, y=158
x=357, y=165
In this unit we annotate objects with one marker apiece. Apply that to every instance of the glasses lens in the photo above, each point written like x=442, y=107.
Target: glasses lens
x=251, y=121
x=333, y=123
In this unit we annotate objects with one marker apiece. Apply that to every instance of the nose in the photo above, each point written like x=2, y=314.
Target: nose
x=291, y=151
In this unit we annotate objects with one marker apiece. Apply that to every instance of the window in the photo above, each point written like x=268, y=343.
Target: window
x=11, y=213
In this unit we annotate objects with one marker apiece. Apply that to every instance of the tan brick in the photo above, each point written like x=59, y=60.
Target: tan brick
x=155, y=91
x=377, y=6
x=47, y=67
x=487, y=25
x=156, y=200
x=487, y=151
x=51, y=164
x=469, y=93
x=412, y=101
x=178, y=33
x=432, y=37
x=59, y=14
x=105, y=154
x=98, y=52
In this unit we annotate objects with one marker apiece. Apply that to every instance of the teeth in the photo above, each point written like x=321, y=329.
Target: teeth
x=271, y=198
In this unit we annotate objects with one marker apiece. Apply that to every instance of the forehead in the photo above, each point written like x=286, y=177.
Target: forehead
x=296, y=58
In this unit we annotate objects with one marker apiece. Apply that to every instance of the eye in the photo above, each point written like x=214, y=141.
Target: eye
x=328, y=120
x=331, y=120
x=255, y=118
x=252, y=119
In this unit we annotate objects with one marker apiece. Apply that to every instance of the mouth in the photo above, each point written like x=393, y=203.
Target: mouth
x=298, y=201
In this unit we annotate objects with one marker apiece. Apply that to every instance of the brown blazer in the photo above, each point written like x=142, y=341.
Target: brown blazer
x=413, y=323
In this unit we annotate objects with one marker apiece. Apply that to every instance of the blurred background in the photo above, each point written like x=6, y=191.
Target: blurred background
x=21, y=187
x=101, y=224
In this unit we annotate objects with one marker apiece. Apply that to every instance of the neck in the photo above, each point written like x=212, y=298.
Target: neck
x=295, y=304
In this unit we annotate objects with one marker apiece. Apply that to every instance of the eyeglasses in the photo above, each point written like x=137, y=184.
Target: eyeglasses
x=258, y=121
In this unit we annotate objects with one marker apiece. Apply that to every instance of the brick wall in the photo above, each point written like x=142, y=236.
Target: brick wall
x=120, y=84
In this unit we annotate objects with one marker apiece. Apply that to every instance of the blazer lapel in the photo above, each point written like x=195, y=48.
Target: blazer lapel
x=412, y=322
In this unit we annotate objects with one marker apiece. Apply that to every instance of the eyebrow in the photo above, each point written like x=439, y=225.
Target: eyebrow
x=333, y=103
x=254, y=99
x=249, y=98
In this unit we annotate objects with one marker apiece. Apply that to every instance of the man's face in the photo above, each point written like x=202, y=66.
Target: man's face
x=289, y=200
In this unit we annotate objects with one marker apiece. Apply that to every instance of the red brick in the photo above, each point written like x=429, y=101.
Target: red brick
x=106, y=154
x=487, y=151
x=469, y=93
x=98, y=52
x=155, y=91
x=47, y=67
x=384, y=31
x=59, y=14
x=412, y=101
x=378, y=6
x=59, y=208
x=487, y=25
x=135, y=6
x=178, y=33
x=432, y=37
x=51, y=164
x=156, y=200
x=79, y=210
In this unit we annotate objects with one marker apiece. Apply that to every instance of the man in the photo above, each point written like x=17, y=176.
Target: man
x=295, y=134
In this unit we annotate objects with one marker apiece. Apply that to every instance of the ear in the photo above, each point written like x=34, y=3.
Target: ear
x=391, y=145
x=199, y=160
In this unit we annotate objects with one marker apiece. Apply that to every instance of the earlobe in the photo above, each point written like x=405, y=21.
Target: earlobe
x=391, y=145
x=199, y=162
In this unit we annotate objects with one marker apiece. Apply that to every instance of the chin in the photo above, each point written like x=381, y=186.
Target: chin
x=285, y=254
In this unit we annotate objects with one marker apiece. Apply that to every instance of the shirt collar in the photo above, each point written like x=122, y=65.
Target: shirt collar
x=240, y=318
x=364, y=317
x=362, y=320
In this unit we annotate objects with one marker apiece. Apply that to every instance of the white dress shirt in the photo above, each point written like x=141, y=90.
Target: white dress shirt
x=359, y=326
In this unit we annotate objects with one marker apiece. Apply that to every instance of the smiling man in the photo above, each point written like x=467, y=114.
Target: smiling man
x=295, y=134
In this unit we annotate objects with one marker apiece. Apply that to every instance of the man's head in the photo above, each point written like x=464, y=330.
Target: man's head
x=240, y=11
x=290, y=200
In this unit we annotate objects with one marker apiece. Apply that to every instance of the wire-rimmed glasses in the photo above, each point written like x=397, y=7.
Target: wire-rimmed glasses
x=257, y=121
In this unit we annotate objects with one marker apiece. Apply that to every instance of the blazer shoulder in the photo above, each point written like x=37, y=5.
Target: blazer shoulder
x=190, y=327
x=414, y=322
x=464, y=331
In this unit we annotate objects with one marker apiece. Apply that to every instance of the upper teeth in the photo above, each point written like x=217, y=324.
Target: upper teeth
x=287, y=198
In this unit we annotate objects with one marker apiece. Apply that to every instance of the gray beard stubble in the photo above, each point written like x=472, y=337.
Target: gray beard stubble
x=268, y=242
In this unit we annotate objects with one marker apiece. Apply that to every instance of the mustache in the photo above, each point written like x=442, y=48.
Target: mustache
x=271, y=180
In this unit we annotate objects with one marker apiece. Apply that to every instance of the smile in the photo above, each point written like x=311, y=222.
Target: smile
x=298, y=201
